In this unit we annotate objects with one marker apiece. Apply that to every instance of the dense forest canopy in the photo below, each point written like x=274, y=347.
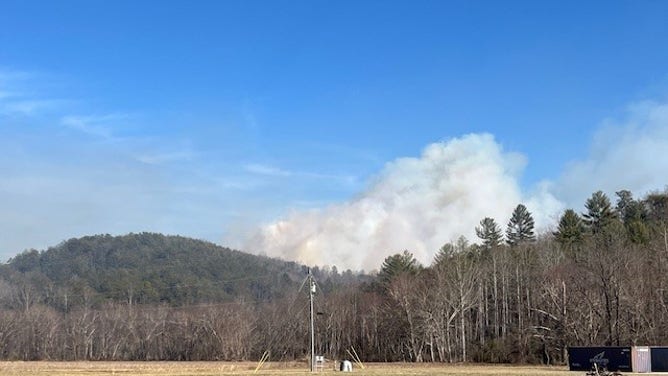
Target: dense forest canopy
x=509, y=296
x=151, y=268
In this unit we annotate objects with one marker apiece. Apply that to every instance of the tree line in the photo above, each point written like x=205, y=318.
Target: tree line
x=510, y=295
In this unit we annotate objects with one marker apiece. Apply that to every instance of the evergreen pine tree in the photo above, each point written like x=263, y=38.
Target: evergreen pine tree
x=570, y=232
x=634, y=215
x=571, y=229
x=599, y=212
x=520, y=226
x=489, y=232
x=397, y=264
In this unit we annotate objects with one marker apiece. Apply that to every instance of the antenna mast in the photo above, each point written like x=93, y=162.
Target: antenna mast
x=311, y=291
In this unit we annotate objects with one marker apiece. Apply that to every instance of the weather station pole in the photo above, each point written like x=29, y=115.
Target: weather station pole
x=311, y=291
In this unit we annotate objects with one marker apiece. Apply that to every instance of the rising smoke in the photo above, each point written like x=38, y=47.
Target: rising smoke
x=631, y=153
x=417, y=204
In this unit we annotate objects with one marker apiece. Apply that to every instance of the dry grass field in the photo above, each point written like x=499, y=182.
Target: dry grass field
x=270, y=368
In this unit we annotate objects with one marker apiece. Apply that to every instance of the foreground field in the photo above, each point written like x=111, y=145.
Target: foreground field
x=248, y=368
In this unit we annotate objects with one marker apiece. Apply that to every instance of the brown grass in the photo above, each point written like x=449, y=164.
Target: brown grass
x=270, y=368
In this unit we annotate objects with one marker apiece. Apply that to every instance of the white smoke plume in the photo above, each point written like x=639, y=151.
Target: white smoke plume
x=417, y=204
x=631, y=153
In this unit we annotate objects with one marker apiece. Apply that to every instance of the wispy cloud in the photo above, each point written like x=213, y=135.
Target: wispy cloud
x=348, y=179
x=20, y=95
x=261, y=169
x=30, y=107
x=6, y=94
x=95, y=125
x=158, y=158
x=7, y=76
x=272, y=171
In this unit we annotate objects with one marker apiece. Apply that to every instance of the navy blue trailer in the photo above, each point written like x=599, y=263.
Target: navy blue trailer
x=612, y=358
x=659, y=359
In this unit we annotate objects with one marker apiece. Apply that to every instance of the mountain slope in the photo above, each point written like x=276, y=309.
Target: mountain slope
x=150, y=268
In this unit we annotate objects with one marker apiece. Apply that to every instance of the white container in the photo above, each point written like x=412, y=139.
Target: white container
x=641, y=359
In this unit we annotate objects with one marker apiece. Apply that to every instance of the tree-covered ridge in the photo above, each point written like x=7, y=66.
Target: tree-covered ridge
x=150, y=268
x=599, y=279
x=515, y=296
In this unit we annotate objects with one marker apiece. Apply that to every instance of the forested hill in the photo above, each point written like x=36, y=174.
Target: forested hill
x=598, y=279
x=149, y=268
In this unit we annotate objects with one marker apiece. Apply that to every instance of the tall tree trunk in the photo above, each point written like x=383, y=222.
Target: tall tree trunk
x=496, y=296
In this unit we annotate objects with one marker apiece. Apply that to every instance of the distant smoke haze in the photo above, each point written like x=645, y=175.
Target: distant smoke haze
x=631, y=153
x=421, y=203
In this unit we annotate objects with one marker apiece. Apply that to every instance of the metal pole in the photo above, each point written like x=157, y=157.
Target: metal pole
x=310, y=294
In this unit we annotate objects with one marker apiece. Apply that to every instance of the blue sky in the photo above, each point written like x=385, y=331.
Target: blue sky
x=211, y=119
